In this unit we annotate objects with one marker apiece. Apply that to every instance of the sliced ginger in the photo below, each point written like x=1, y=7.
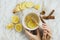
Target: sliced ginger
x=10, y=26
x=15, y=19
x=18, y=27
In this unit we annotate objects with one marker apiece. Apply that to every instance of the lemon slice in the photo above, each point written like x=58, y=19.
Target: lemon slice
x=15, y=19
x=18, y=27
x=17, y=7
x=37, y=7
x=10, y=26
x=31, y=24
x=29, y=4
x=23, y=5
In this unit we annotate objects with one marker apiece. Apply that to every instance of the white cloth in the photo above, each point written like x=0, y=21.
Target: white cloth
x=6, y=7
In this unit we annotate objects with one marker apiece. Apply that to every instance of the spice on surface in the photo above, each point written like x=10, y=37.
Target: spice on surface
x=50, y=17
x=43, y=12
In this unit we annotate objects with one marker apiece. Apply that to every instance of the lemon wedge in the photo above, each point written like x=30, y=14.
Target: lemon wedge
x=29, y=4
x=15, y=19
x=37, y=7
x=18, y=27
x=10, y=26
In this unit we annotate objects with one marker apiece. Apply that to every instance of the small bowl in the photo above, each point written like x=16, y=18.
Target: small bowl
x=27, y=13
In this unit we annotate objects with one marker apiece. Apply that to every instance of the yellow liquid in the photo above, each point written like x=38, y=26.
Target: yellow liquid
x=29, y=22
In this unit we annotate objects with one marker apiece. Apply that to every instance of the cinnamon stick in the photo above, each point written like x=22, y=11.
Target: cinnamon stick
x=50, y=17
x=42, y=20
x=51, y=13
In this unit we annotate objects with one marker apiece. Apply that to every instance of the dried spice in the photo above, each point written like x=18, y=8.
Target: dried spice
x=43, y=12
x=51, y=13
x=50, y=17
x=42, y=20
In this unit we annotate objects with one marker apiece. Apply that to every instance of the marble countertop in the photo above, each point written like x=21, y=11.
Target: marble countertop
x=6, y=7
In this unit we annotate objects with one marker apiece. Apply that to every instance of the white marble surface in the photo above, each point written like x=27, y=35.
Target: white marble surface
x=6, y=7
